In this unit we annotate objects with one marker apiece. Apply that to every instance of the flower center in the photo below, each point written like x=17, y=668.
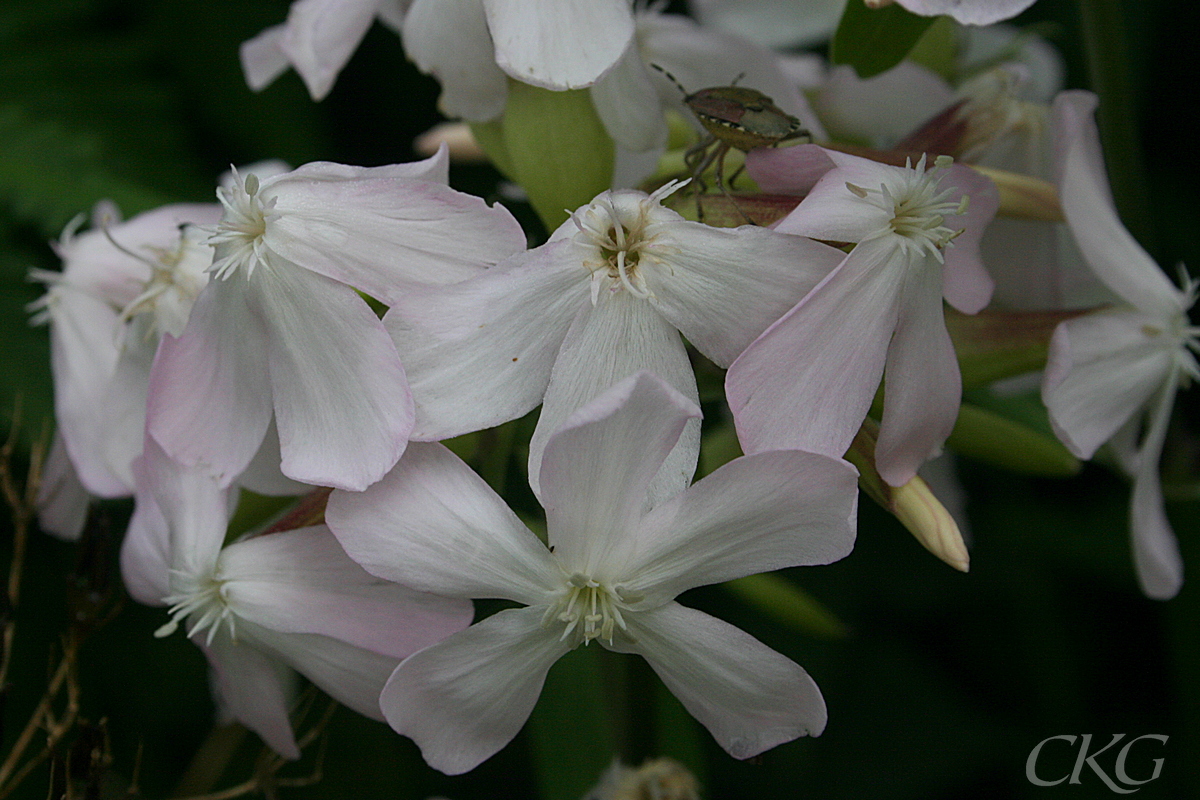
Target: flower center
x=239, y=234
x=176, y=278
x=620, y=234
x=204, y=599
x=588, y=609
x=916, y=208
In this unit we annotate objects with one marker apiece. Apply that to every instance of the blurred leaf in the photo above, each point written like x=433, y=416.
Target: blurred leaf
x=992, y=345
x=1011, y=442
x=785, y=602
x=875, y=40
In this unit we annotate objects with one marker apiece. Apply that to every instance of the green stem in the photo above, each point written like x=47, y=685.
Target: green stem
x=1104, y=27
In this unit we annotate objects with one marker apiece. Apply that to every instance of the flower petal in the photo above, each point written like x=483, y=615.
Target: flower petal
x=1102, y=368
x=209, y=400
x=620, y=336
x=755, y=514
x=1107, y=246
x=968, y=286
x=629, y=106
x=749, y=697
x=922, y=382
x=254, y=689
x=968, y=12
x=434, y=525
x=301, y=581
x=723, y=287
x=341, y=399
x=263, y=60
x=321, y=35
x=353, y=676
x=384, y=234
x=599, y=465
x=808, y=381
x=449, y=39
x=1155, y=550
x=464, y=699
x=559, y=44
x=788, y=170
x=503, y=329
x=62, y=501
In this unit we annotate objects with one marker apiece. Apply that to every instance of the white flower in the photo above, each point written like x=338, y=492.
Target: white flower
x=281, y=333
x=606, y=297
x=614, y=564
x=290, y=598
x=1108, y=372
x=810, y=379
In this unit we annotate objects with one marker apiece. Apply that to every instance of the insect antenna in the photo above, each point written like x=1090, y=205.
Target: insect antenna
x=672, y=79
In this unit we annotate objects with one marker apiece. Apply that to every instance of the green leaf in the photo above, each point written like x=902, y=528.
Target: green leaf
x=558, y=150
x=875, y=40
x=1013, y=439
x=786, y=602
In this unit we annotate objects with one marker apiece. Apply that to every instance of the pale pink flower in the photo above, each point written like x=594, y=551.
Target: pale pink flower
x=968, y=12
x=267, y=604
x=809, y=380
x=615, y=561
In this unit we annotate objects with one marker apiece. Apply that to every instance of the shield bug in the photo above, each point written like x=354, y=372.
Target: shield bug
x=733, y=116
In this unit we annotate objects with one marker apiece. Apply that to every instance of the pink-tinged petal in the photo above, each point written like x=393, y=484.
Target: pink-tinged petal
x=501, y=331
x=449, y=39
x=833, y=212
x=436, y=168
x=629, y=106
x=720, y=308
x=351, y=675
x=558, y=44
x=619, y=337
x=1155, y=550
x=755, y=514
x=598, y=467
x=263, y=476
x=968, y=286
x=263, y=59
x=968, y=12
x=210, y=398
x=254, y=689
x=749, y=697
x=382, y=235
x=341, y=399
x=146, y=548
x=434, y=525
x=922, y=382
x=1102, y=368
x=301, y=581
x=193, y=505
x=62, y=501
x=1107, y=246
x=788, y=170
x=464, y=699
x=321, y=35
x=123, y=405
x=808, y=381
x=883, y=109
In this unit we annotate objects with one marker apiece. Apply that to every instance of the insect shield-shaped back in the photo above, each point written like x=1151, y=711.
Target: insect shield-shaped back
x=743, y=118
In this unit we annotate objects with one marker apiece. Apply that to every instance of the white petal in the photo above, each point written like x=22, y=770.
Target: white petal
x=146, y=549
x=755, y=514
x=922, y=382
x=262, y=474
x=558, y=44
x=1109, y=249
x=723, y=287
x=263, y=60
x=1102, y=368
x=449, y=39
x=321, y=35
x=968, y=12
x=808, y=381
x=353, y=676
x=788, y=170
x=193, y=505
x=629, y=106
x=436, y=526
x=62, y=501
x=341, y=399
x=775, y=23
x=301, y=581
x=749, y=697
x=464, y=699
x=503, y=329
x=210, y=398
x=599, y=466
x=383, y=234
x=1155, y=550
x=621, y=336
x=883, y=109
x=968, y=286
x=254, y=689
